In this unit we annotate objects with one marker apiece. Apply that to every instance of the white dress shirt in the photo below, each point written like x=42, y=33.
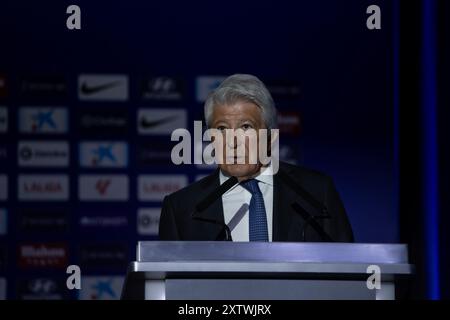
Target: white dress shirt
x=236, y=203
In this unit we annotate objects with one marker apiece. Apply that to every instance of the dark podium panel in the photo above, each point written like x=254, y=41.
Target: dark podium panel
x=175, y=270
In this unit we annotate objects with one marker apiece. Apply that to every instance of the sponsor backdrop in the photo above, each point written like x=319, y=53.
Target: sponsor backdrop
x=86, y=118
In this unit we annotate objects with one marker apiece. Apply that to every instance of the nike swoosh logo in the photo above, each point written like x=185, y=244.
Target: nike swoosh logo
x=85, y=89
x=147, y=124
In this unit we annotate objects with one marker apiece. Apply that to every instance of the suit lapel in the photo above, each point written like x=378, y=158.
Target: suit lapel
x=215, y=211
x=282, y=212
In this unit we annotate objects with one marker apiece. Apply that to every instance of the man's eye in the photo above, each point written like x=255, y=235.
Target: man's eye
x=221, y=128
x=247, y=126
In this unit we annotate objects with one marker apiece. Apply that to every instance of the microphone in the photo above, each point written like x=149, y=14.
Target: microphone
x=209, y=199
x=309, y=219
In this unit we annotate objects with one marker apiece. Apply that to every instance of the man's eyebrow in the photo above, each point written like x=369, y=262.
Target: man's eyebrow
x=219, y=121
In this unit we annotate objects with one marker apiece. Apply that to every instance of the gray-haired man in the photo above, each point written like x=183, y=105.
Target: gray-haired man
x=272, y=201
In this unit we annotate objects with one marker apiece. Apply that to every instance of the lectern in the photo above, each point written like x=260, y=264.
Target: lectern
x=225, y=270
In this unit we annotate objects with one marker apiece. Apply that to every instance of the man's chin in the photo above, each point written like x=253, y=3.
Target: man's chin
x=240, y=170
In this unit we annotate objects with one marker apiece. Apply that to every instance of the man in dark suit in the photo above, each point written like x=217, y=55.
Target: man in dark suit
x=272, y=201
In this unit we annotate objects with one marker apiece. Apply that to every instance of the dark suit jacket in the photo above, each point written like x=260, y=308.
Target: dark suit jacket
x=176, y=222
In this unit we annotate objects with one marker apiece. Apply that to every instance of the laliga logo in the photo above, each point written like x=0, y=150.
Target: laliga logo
x=228, y=146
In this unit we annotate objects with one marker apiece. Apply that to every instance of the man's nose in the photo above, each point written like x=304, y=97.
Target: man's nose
x=234, y=142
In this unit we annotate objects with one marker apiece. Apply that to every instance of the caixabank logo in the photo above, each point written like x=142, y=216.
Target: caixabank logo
x=43, y=120
x=103, y=154
x=100, y=287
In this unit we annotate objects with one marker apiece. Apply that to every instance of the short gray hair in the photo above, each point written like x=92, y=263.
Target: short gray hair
x=242, y=87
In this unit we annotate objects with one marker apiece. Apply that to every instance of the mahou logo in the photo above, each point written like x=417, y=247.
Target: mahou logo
x=42, y=255
x=43, y=187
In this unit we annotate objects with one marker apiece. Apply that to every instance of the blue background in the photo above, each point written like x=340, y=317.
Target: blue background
x=346, y=73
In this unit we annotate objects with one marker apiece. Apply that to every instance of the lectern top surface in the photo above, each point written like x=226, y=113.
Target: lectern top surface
x=160, y=251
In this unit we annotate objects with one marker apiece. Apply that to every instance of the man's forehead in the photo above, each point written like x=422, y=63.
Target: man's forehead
x=246, y=110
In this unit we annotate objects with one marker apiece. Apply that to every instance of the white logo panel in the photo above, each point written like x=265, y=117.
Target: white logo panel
x=156, y=187
x=112, y=187
x=40, y=187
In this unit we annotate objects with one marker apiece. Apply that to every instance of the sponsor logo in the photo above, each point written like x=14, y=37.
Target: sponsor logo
x=284, y=89
x=41, y=289
x=289, y=123
x=35, y=120
x=43, y=220
x=3, y=222
x=163, y=89
x=3, y=187
x=103, y=154
x=111, y=122
x=43, y=255
x=43, y=187
x=3, y=286
x=3, y=119
x=100, y=288
x=102, y=221
x=156, y=152
x=148, y=221
x=46, y=86
x=43, y=154
x=156, y=187
x=206, y=84
x=103, y=187
x=3, y=86
x=104, y=255
x=103, y=87
x=161, y=121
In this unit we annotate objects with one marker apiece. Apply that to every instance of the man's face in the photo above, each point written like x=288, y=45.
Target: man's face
x=244, y=116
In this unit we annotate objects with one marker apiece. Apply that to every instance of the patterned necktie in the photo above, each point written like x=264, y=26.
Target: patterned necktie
x=257, y=212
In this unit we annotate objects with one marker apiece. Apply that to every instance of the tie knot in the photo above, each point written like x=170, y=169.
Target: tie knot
x=252, y=186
